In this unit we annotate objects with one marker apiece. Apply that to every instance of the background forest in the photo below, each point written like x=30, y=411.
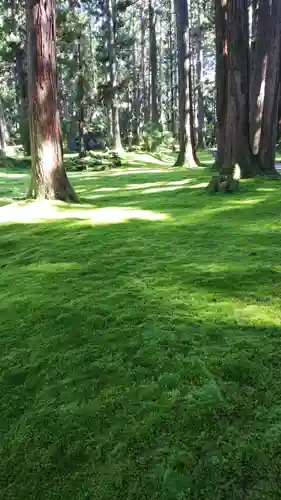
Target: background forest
x=140, y=291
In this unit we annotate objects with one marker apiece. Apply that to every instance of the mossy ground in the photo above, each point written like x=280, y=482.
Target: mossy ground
x=140, y=338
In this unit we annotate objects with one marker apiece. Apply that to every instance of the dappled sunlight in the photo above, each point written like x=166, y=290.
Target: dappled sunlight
x=12, y=175
x=106, y=190
x=35, y=211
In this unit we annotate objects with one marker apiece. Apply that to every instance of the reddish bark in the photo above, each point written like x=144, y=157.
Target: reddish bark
x=186, y=132
x=49, y=178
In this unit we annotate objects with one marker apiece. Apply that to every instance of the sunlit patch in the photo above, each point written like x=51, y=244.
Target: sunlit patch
x=106, y=190
x=32, y=212
x=12, y=176
x=175, y=187
x=133, y=187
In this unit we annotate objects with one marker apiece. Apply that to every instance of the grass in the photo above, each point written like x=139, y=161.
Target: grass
x=140, y=339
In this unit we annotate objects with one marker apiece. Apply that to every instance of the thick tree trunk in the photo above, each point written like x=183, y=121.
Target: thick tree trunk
x=264, y=93
x=48, y=178
x=221, y=77
x=153, y=63
x=186, y=153
x=237, y=154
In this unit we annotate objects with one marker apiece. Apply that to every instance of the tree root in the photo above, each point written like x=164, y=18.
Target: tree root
x=223, y=184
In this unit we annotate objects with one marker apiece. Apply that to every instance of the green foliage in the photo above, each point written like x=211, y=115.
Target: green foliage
x=140, y=339
x=152, y=137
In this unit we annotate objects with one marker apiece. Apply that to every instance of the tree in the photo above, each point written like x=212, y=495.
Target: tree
x=3, y=131
x=265, y=83
x=111, y=16
x=186, y=153
x=153, y=63
x=238, y=159
x=48, y=178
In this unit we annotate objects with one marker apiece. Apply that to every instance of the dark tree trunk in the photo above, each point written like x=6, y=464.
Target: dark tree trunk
x=22, y=89
x=3, y=131
x=80, y=98
x=153, y=64
x=221, y=77
x=199, y=87
x=48, y=178
x=186, y=153
x=171, y=71
x=264, y=93
x=238, y=159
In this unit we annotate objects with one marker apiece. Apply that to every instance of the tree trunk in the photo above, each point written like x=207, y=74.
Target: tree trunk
x=199, y=85
x=186, y=153
x=48, y=179
x=21, y=74
x=3, y=131
x=264, y=93
x=111, y=32
x=153, y=63
x=171, y=71
x=80, y=97
x=238, y=159
x=221, y=77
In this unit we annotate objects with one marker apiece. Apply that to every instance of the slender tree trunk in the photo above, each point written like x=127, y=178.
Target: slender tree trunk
x=21, y=73
x=80, y=97
x=153, y=63
x=264, y=93
x=199, y=86
x=136, y=98
x=48, y=178
x=171, y=70
x=186, y=153
x=3, y=131
x=111, y=28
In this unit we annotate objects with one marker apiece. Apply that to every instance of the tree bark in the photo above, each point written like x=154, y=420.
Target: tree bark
x=221, y=77
x=48, y=179
x=238, y=159
x=186, y=153
x=21, y=74
x=199, y=85
x=153, y=63
x=264, y=93
x=3, y=131
x=111, y=33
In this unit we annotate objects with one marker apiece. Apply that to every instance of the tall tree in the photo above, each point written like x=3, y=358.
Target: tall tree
x=3, y=131
x=48, y=178
x=186, y=153
x=111, y=17
x=153, y=62
x=238, y=159
x=265, y=84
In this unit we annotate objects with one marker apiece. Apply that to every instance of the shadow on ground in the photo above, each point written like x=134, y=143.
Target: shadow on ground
x=140, y=358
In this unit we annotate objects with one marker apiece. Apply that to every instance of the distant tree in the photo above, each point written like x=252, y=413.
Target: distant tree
x=186, y=153
x=48, y=178
x=3, y=131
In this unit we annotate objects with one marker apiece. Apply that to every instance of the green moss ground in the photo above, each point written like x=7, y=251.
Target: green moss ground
x=140, y=339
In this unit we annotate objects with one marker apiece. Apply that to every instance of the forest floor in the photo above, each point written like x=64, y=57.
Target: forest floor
x=140, y=339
